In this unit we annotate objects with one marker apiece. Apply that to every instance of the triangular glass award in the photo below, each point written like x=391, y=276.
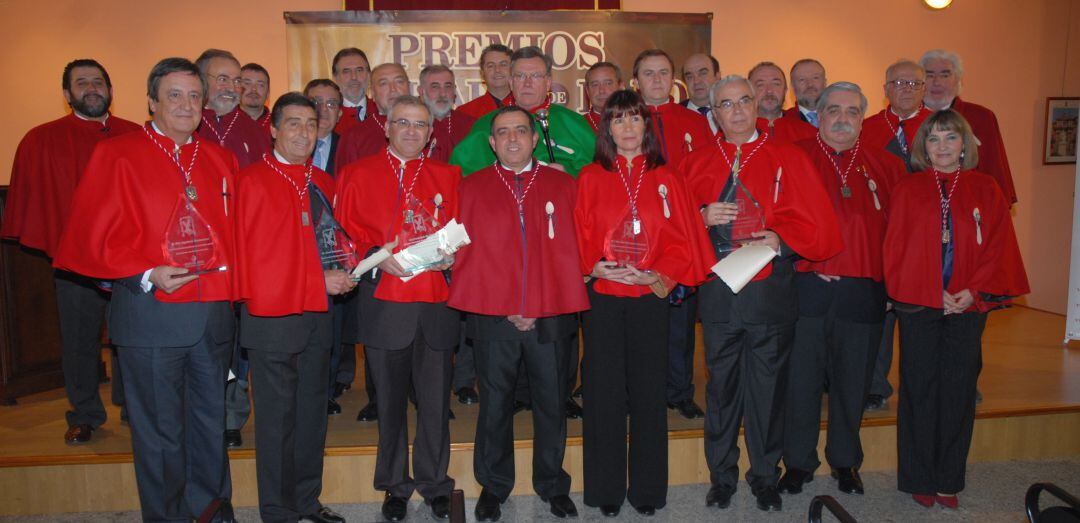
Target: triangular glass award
x=190, y=242
x=627, y=243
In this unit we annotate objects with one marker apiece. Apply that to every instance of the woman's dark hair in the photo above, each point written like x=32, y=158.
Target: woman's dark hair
x=626, y=103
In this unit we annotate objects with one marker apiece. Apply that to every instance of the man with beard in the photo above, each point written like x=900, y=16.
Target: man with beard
x=439, y=91
x=601, y=81
x=770, y=88
x=351, y=71
x=495, y=70
x=699, y=71
x=48, y=164
x=222, y=120
x=944, y=75
x=894, y=127
x=807, y=80
x=841, y=299
x=388, y=81
x=255, y=81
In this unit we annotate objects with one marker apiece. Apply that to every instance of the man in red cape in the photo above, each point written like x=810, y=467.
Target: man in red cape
x=601, y=81
x=142, y=194
x=351, y=71
x=518, y=281
x=439, y=91
x=770, y=91
x=255, y=84
x=283, y=213
x=388, y=81
x=748, y=335
x=495, y=70
x=222, y=120
x=48, y=163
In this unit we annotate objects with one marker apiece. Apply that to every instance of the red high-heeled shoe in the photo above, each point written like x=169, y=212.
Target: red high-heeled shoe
x=923, y=499
x=949, y=501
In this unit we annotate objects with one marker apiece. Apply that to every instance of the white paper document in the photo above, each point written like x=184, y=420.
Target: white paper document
x=739, y=267
x=430, y=251
x=369, y=263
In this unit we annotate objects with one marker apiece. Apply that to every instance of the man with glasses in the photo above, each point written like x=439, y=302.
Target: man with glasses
x=568, y=140
x=351, y=71
x=894, y=127
x=752, y=190
x=386, y=201
x=255, y=81
x=222, y=121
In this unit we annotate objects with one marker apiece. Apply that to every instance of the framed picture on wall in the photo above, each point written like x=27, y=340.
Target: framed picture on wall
x=1060, y=134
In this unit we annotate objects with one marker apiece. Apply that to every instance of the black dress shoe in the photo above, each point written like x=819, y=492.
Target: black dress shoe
x=78, y=434
x=688, y=409
x=876, y=402
x=487, y=507
x=646, y=510
x=440, y=506
x=451, y=415
x=562, y=506
x=768, y=499
x=793, y=481
x=332, y=407
x=369, y=413
x=719, y=496
x=339, y=389
x=520, y=406
x=848, y=480
x=573, y=410
x=233, y=438
x=324, y=515
x=394, y=508
x=610, y=510
x=467, y=396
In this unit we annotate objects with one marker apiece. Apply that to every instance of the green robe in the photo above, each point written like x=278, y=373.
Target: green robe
x=567, y=128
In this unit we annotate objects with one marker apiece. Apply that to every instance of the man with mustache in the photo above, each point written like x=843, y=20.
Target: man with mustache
x=807, y=80
x=48, y=163
x=255, y=81
x=351, y=71
x=495, y=70
x=770, y=87
x=601, y=81
x=944, y=78
x=841, y=299
x=222, y=120
x=439, y=91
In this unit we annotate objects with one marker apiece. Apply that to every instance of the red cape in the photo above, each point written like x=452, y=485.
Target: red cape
x=593, y=118
x=992, y=157
x=787, y=129
x=273, y=244
x=48, y=164
x=801, y=214
x=265, y=122
x=879, y=130
x=683, y=131
x=237, y=132
x=678, y=245
x=349, y=118
x=507, y=270
x=862, y=224
x=122, y=207
x=364, y=139
x=483, y=104
x=913, y=242
x=370, y=208
x=447, y=133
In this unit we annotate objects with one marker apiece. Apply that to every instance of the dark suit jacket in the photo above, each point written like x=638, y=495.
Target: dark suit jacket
x=335, y=138
x=138, y=319
x=498, y=328
x=393, y=325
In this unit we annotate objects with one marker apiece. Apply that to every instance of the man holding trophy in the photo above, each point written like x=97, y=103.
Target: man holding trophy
x=391, y=201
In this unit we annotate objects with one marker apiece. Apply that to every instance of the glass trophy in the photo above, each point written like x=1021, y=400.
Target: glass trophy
x=190, y=242
x=336, y=249
x=627, y=244
x=417, y=227
x=750, y=218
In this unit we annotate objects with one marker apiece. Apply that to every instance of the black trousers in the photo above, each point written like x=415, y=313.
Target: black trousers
x=342, y=355
x=497, y=366
x=682, y=319
x=625, y=372
x=290, y=394
x=464, y=362
x=748, y=375
x=831, y=347
x=940, y=360
x=393, y=372
x=880, y=383
x=175, y=399
x=81, y=310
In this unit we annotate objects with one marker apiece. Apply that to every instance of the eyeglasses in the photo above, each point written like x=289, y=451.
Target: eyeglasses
x=418, y=125
x=224, y=79
x=728, y=105
x=905, y=84
x=329, y=104
x=536, y=77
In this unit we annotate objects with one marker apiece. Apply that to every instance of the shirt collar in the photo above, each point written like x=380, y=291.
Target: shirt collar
x=281, y=158
x=363, y=102
x=528, y=167
x=156, y=130
x=804, y=110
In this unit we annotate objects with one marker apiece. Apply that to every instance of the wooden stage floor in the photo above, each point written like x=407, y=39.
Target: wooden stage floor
x=1025, y=372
